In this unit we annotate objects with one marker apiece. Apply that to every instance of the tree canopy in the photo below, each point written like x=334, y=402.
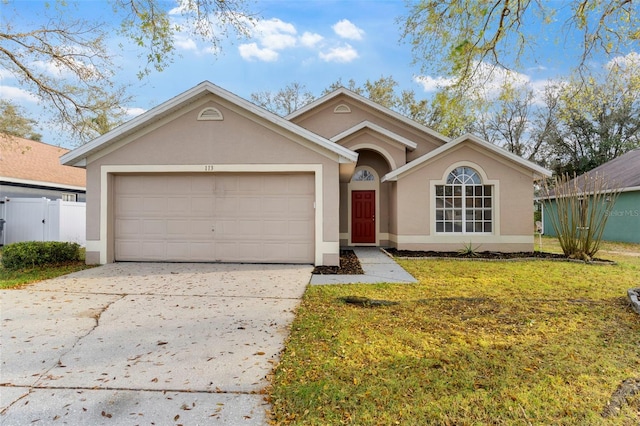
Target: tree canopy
x=457, y=37
x=14, y=122
x=66, y=64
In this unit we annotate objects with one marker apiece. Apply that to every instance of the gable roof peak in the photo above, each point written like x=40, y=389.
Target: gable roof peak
x=468, y=137
x=78, y=156
x=371, y=104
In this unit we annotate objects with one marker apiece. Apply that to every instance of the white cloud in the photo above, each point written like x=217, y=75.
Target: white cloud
x=278, y=41
x=630, y=60
x=51, y=68
x=251, y=51
x=341, y=54
x=185, y=43
x=273, y=26
x=346, y=29
x=489, y=79
x=275, y=34
x=212, y=50
x=134, y=111
x=310, y=39
x=16, y=94
x=271, y=36
x=430, y=84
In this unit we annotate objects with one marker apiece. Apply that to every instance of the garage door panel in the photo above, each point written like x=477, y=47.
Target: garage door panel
x=128, y=250
x=275, y=205
x=299, y=230
x=154, y=250
x=126, y=227
x=300, y=207
x=301, y=250
x=156, y=206
x=225, y=206
x=178, y=205
x=151, y=228
x=201, y=205
x=177, y=227
x=201, y=229
x=152, y=184
x=223, y=217
x=274, y=228
x=204, y=184
x=129, y=206
x=250, y=205
x=276, y=185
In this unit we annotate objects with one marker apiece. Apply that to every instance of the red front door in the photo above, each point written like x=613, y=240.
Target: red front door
x=363, y=216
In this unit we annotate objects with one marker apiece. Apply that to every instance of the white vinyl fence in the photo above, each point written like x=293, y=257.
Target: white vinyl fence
x=41, y=219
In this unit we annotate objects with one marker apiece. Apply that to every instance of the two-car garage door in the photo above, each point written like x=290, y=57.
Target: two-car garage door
x=221, y=217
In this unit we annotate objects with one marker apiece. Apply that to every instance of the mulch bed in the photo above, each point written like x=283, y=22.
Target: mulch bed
x=349, y=265
x=491, y=255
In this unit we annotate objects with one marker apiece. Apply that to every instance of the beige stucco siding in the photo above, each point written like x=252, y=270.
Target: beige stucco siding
x=323, y=121
x=393, y=152
x=239, y=139
x=512, y=211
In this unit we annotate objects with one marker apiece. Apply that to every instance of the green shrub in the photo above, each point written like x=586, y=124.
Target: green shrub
x=29, y=254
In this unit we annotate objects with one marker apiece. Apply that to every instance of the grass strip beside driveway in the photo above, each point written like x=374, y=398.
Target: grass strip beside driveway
x=536, y=342
x=19, y=277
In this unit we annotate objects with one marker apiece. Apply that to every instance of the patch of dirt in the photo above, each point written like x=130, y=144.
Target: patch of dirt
x=366, y=302
x=349, y=265
x=493, y=255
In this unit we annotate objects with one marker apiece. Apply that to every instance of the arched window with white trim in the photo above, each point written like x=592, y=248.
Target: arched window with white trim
x=363, y=175
x=464, y=204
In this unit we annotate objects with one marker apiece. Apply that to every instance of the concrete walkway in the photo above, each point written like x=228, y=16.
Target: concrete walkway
x=377, y=266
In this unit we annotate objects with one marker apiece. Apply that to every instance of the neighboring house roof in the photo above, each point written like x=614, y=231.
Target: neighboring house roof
x=78, y=156
x=371, y=104
x=620, y=173
x=407, y=168
x=29, y=162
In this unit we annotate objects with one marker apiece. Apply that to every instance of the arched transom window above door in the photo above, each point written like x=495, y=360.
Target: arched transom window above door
x=363, y=175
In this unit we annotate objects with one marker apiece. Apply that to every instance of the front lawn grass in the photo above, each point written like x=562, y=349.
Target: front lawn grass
x=474, y=343
x=15, y=278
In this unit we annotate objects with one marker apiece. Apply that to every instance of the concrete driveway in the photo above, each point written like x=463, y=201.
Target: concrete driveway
x=145, y=343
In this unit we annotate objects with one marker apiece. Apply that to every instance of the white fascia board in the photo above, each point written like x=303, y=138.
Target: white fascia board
x=373, y=105
x=75, y=157
x=395, y=174
x=378, y=129
x=510, y=155
x=52, y=185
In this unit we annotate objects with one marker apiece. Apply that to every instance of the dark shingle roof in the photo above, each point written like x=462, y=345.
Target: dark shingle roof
x=623, y=172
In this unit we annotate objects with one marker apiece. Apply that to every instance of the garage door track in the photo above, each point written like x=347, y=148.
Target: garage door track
x=146, y=343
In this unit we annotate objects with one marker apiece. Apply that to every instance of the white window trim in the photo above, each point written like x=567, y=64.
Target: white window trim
x=495, y=194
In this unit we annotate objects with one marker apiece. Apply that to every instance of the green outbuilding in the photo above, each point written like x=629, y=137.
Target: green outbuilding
x=623, y=223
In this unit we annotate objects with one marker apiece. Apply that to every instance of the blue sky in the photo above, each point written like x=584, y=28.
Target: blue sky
x=313, y=42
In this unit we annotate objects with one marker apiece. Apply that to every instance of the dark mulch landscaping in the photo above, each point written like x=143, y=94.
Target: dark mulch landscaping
x=475, y=255
x=494, y=255
x=349, y=265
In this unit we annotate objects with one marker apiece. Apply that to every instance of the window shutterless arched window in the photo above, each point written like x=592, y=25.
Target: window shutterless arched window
x=463, y=204
x=363, y=175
